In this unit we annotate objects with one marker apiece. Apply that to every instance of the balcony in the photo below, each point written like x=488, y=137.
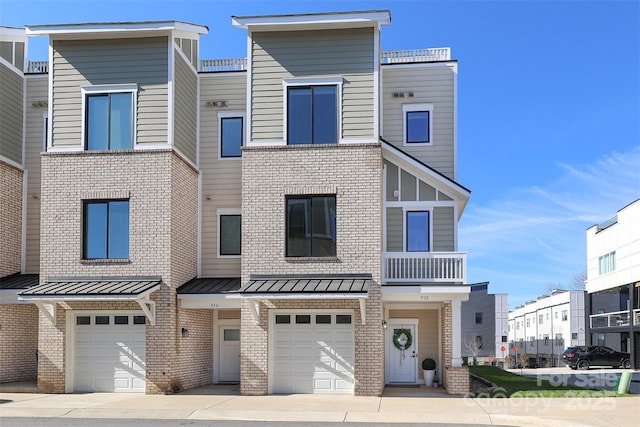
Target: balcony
x=424, y=267
x=613, y=319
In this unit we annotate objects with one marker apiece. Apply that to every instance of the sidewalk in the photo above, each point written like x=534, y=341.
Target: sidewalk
x=398, y=405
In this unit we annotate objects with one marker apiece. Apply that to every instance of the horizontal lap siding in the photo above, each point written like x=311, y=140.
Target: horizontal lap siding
x=37, y=90
x=186, y=108
x=312, y=54
x=221, y=179
x=429, y=85
x=443, y=229
x=78, y=64
x=11, y=108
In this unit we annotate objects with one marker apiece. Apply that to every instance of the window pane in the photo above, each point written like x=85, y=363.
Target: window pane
x=83, y=320
x=418, y=231
x=118, y=229
x=325, y=123
x=97, y=122
x=343, y=319
x=283, y=318
x=139, y=320
x=231, y=137
x=102, y=320
x=121, y=320
x=299, y=119
x=298, y=224
x=303, y=318
x=323, y=319
x=230, y=234
x=323, y=216
x=95, y=245
x=232, y=334
x=418, y=126
x=120, y=121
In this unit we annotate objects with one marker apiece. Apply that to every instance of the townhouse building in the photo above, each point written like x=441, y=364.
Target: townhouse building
x=485, y=318
x=543, y=328
x=613, y=282
x=287, y=221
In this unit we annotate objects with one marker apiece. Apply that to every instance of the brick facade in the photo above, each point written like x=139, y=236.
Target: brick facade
x=457, y=380
x=162, y=192
x=354, y=174
x=19, y=342
x=10, y=219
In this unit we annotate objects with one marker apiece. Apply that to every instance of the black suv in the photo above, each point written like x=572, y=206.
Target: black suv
x=582, y=357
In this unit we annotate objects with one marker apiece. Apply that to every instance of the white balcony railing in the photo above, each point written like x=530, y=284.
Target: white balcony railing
x=228, y=64
x=415, y=55
x=37, y=67
x=614, y=318
x=412, y=267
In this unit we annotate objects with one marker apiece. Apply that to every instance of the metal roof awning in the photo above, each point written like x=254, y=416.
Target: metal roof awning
x=307, y=287
x=138, y=289
x=12, y=285
x=217, y=293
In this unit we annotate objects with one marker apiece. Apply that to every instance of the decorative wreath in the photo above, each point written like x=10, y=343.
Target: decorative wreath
x=396, y=338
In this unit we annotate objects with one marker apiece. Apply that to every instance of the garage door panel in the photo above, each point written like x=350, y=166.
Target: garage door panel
x=110, y=357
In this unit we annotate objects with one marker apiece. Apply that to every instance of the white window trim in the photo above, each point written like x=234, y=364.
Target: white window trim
x=286, y=83
x=101, y=89
x=220, y=212
x=227, y=115
x=406, y=108
x=406, y=209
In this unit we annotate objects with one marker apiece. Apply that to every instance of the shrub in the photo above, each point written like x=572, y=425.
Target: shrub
x=428, y=364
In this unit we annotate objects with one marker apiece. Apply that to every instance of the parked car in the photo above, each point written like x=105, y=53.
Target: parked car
x=583, y=357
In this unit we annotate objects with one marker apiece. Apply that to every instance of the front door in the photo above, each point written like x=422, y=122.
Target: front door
x=230, y=353
x=402, y=345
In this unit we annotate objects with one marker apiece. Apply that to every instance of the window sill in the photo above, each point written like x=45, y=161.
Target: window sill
x=105, y=261
x=309, y=259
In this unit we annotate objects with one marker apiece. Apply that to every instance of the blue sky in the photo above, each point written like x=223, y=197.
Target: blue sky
x=548, y=111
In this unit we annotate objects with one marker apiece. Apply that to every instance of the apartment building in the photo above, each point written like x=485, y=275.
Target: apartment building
x=485, y=320
x=287, y=220
x=543, y=328
x=613, y=282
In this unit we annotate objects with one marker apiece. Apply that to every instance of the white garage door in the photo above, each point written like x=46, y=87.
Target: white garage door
x=313, y=353
x=109, y=352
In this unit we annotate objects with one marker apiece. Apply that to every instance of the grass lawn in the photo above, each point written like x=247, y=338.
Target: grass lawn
x=511, y=385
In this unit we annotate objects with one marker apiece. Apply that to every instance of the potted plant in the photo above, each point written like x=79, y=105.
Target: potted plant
x=428, y=371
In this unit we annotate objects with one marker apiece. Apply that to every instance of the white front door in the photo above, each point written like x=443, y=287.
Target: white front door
x=401, y=364
x=229, y=353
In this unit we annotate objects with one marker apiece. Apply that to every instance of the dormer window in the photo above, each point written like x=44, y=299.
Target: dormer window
x=109, y=118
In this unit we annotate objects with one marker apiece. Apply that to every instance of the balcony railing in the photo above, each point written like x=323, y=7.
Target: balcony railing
x=613, y=319
x=416, y=55
x=37, y=67
x=411, y=267
x=228, y=64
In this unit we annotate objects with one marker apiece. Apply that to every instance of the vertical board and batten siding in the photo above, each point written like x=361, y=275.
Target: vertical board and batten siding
x=221, y=179
x=395, y=222
x=443, y=229
x=37, y=87
x=84, y=63
x=185, y=108
x=430, y=85
x=277, y=56
x=11, y=108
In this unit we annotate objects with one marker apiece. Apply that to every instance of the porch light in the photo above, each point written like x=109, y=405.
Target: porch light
x=384, y=324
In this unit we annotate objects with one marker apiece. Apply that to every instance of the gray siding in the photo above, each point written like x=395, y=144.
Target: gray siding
x=310, y=54
x=36, y=88
x=394, y=230
x=479, y=302
x=443, y=229
x=78, y=64
x=221, y=179
x=11, y=106
x=429, y=85
x=185, y=108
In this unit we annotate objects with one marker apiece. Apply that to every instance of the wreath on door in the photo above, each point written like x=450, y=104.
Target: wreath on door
x=402, y=339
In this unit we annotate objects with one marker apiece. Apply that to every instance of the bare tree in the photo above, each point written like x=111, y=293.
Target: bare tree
x=578, y=281
x=473, y=345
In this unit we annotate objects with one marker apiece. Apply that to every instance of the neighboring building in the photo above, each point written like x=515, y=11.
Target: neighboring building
x=485, y=319
x=613, y=282
x=288, y=221
x=542, y=329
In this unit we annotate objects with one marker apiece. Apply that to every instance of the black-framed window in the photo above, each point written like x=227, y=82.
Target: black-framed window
x=109, y=121
x=106, y=229
x=312, y=114
x=231, y=136
x=478, y=317
x=418, y=123
x=417, y=231
x=230, y=234
x=311, y=226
